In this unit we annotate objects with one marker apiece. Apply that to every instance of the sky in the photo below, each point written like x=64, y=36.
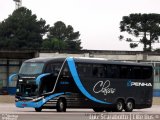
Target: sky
x=96, y=20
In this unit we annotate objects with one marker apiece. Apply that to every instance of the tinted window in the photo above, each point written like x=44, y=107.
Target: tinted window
x=113, y=71
x=147, y=72
x=125, y=72
x=65, y=71
x=99, y=70
x=56, y=68
x=53, y=68
x=84, y=70
x=48, y=69
x=137, y=72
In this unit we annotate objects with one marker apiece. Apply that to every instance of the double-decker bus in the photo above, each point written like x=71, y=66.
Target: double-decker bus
x=72, y=82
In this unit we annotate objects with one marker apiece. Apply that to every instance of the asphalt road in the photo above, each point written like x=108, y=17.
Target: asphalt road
x=10, y=112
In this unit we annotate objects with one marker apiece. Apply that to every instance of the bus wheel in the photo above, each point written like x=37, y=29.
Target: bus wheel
x=38, y=109
x=129, y=106
x=119, y=106
x=98, y=109
x=61, y=105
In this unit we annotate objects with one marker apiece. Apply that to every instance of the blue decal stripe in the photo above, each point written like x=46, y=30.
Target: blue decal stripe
x=40, y=77
x=76, y=78
x=39, y=103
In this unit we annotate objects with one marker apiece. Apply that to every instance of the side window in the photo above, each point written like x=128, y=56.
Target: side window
x=99, y=71
x=113, y=71
x=48, y=69
x=65, y=71
x=56, y=68
x=84, y=70
x=137, y=72
x=53, y=68
x=125, y=72
x=147, y=72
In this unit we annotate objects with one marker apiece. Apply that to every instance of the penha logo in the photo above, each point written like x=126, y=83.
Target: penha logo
x=103, y=87
x=138, y=84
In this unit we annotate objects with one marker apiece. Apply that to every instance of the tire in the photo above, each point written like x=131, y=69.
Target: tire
x=129, y=106
x=61, y=105
x=119, y=106
x=38, y=109
x=98, y=109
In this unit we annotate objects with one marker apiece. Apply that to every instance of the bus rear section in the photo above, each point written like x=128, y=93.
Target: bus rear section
x=115, y=86
x=60, y=83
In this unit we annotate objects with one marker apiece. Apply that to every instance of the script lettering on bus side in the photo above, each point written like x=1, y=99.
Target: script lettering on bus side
x=103, y=87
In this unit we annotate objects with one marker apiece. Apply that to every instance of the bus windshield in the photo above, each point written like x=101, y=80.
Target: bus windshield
x=31, y=68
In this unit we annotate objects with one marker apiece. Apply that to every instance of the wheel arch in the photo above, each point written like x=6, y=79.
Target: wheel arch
x=120, y=99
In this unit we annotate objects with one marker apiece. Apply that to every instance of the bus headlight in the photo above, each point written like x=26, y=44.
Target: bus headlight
x=37, y=99
x=20, y=80
x=17, y=90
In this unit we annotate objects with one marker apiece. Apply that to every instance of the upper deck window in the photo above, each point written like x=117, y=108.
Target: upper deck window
x=31, y=68
x=84, y=69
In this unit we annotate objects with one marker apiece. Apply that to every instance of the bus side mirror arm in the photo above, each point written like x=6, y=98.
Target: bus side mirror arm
x=11, y=77
x=38, y=79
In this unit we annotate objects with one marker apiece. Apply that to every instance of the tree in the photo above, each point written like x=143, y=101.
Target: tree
x=54, y=44
x=63, y=37
x=143, y=26
x=22, y=30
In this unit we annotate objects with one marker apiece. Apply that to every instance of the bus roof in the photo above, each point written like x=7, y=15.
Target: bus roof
x=86, y=60
x=105, y=61
x=46, y=59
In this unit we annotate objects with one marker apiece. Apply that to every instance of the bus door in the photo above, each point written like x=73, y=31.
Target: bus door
x=47, y=83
